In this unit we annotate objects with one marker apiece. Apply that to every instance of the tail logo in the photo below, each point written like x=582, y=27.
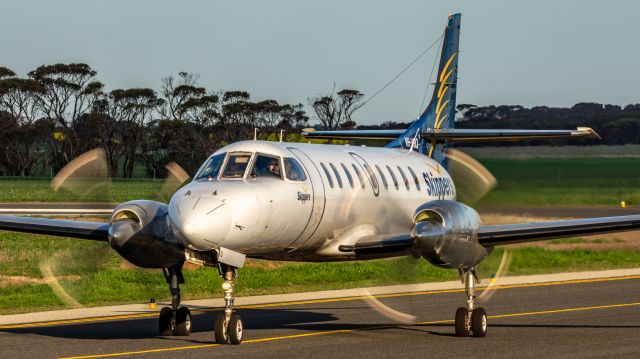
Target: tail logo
x=442, y=90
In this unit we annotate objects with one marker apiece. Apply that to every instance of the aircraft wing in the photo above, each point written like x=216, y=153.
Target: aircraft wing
x=457, y=135
x=538, y=231
x=401, y=244
x=96, y=231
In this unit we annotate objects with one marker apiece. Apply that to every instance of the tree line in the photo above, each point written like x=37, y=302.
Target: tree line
x=60, y=111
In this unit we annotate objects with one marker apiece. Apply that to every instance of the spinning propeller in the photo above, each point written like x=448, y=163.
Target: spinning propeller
x=87, y=176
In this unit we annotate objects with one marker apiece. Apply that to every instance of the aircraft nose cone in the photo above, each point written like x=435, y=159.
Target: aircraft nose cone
x=200, y=219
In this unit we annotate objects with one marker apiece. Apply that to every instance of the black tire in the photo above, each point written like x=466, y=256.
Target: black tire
x=220, y=330
x=479, y=322
x=460, y=323
x=183, y=322
x=235, y=329
x=166, y=321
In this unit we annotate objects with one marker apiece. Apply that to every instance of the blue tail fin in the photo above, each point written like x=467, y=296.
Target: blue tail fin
x=442, y=109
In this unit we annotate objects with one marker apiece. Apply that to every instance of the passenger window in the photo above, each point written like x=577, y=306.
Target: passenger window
x=384, y=179
x=393, y=177
x=415, y=178
x=211, y=169
x=293, y=170
x=266, y=167
x=346, y=172
x=404, y=178
x=326, y=171
x=359, y=175
x=236, y=165
x=335, y=171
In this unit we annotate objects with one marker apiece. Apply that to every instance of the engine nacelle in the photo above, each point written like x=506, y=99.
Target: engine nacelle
x=446, y=234
x=140, y=233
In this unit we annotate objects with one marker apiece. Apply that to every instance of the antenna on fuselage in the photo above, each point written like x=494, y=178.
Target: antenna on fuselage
x=255, y=133
x=281, y=133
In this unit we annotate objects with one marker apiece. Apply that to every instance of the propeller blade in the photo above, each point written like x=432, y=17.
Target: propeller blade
x=473, y=181
x=176, y=177
x=86, y=176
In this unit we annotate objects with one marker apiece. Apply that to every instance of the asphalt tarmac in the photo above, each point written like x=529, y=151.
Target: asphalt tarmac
x=591, y=318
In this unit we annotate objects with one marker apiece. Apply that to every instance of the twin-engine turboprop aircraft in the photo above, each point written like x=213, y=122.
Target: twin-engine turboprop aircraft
x=309, y=202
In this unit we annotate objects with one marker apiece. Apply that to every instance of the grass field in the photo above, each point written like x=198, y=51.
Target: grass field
x=94, y=275
x=17, y=189
x=531, y=181
x=564, y=181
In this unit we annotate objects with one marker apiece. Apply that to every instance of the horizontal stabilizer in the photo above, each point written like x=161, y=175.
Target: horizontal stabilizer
x=456, y=135
x=353, y=134
x=469, y=135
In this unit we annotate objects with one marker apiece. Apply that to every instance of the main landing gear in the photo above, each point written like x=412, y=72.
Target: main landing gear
x=228, y=325
x=471, y=319
x=175, y=320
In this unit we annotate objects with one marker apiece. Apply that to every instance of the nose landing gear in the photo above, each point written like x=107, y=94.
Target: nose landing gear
x=174, y=320
x=472, y=319
x=228, y=326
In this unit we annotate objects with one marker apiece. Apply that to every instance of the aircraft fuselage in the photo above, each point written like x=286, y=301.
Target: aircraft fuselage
x=344, y=194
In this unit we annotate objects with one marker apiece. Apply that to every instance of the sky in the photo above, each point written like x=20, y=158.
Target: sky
x=554, y=53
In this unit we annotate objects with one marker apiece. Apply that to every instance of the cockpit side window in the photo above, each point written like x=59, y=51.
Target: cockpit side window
x=211, y=169
x=236, y=165
x=293, y=170
x=266, y=167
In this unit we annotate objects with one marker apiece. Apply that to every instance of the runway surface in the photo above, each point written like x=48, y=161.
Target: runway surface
x=581, y=318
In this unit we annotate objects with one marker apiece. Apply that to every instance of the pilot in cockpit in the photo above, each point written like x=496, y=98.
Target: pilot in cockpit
x=274, y=167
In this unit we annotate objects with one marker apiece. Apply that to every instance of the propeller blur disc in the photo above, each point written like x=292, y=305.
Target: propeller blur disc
x=473, y=181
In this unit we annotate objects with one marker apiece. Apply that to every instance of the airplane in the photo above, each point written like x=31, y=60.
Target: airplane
x=322, y=202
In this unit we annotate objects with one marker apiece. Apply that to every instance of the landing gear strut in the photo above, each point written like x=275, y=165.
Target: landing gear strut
x=175, y=320
x=228, y=325
x=471, y=319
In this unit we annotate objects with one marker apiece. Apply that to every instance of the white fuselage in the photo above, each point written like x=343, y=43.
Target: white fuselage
x=349, y=192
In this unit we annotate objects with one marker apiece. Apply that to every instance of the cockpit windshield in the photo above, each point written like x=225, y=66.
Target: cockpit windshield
x=211, y=169
x=236, y=165
x=266, y=167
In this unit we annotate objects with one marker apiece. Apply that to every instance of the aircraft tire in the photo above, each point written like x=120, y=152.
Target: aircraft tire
x=220, y=330
x=235, y=329
x=479, y=322
x=165, y=325
x=460, y=322
x=183, y=322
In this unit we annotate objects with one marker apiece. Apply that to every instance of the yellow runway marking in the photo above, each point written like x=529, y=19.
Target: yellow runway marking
x=314, y=301
x=296, y=336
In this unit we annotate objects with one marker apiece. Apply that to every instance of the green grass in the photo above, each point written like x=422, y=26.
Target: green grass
x=532, y=181
x=564, y=181
x=94, y=275
x=19, y=189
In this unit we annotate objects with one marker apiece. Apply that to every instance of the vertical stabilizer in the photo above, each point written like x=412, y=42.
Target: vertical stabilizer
x=442, y=108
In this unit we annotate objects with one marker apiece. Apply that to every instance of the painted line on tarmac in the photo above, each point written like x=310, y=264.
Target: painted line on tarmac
x=338, y=331
x=314, y=301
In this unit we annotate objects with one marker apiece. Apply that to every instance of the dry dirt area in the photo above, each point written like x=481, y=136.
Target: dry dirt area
x=613, y=241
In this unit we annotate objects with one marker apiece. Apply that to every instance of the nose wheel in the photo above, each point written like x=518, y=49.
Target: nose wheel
x=228, y=327
x=471, y=320
x=174, y=320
